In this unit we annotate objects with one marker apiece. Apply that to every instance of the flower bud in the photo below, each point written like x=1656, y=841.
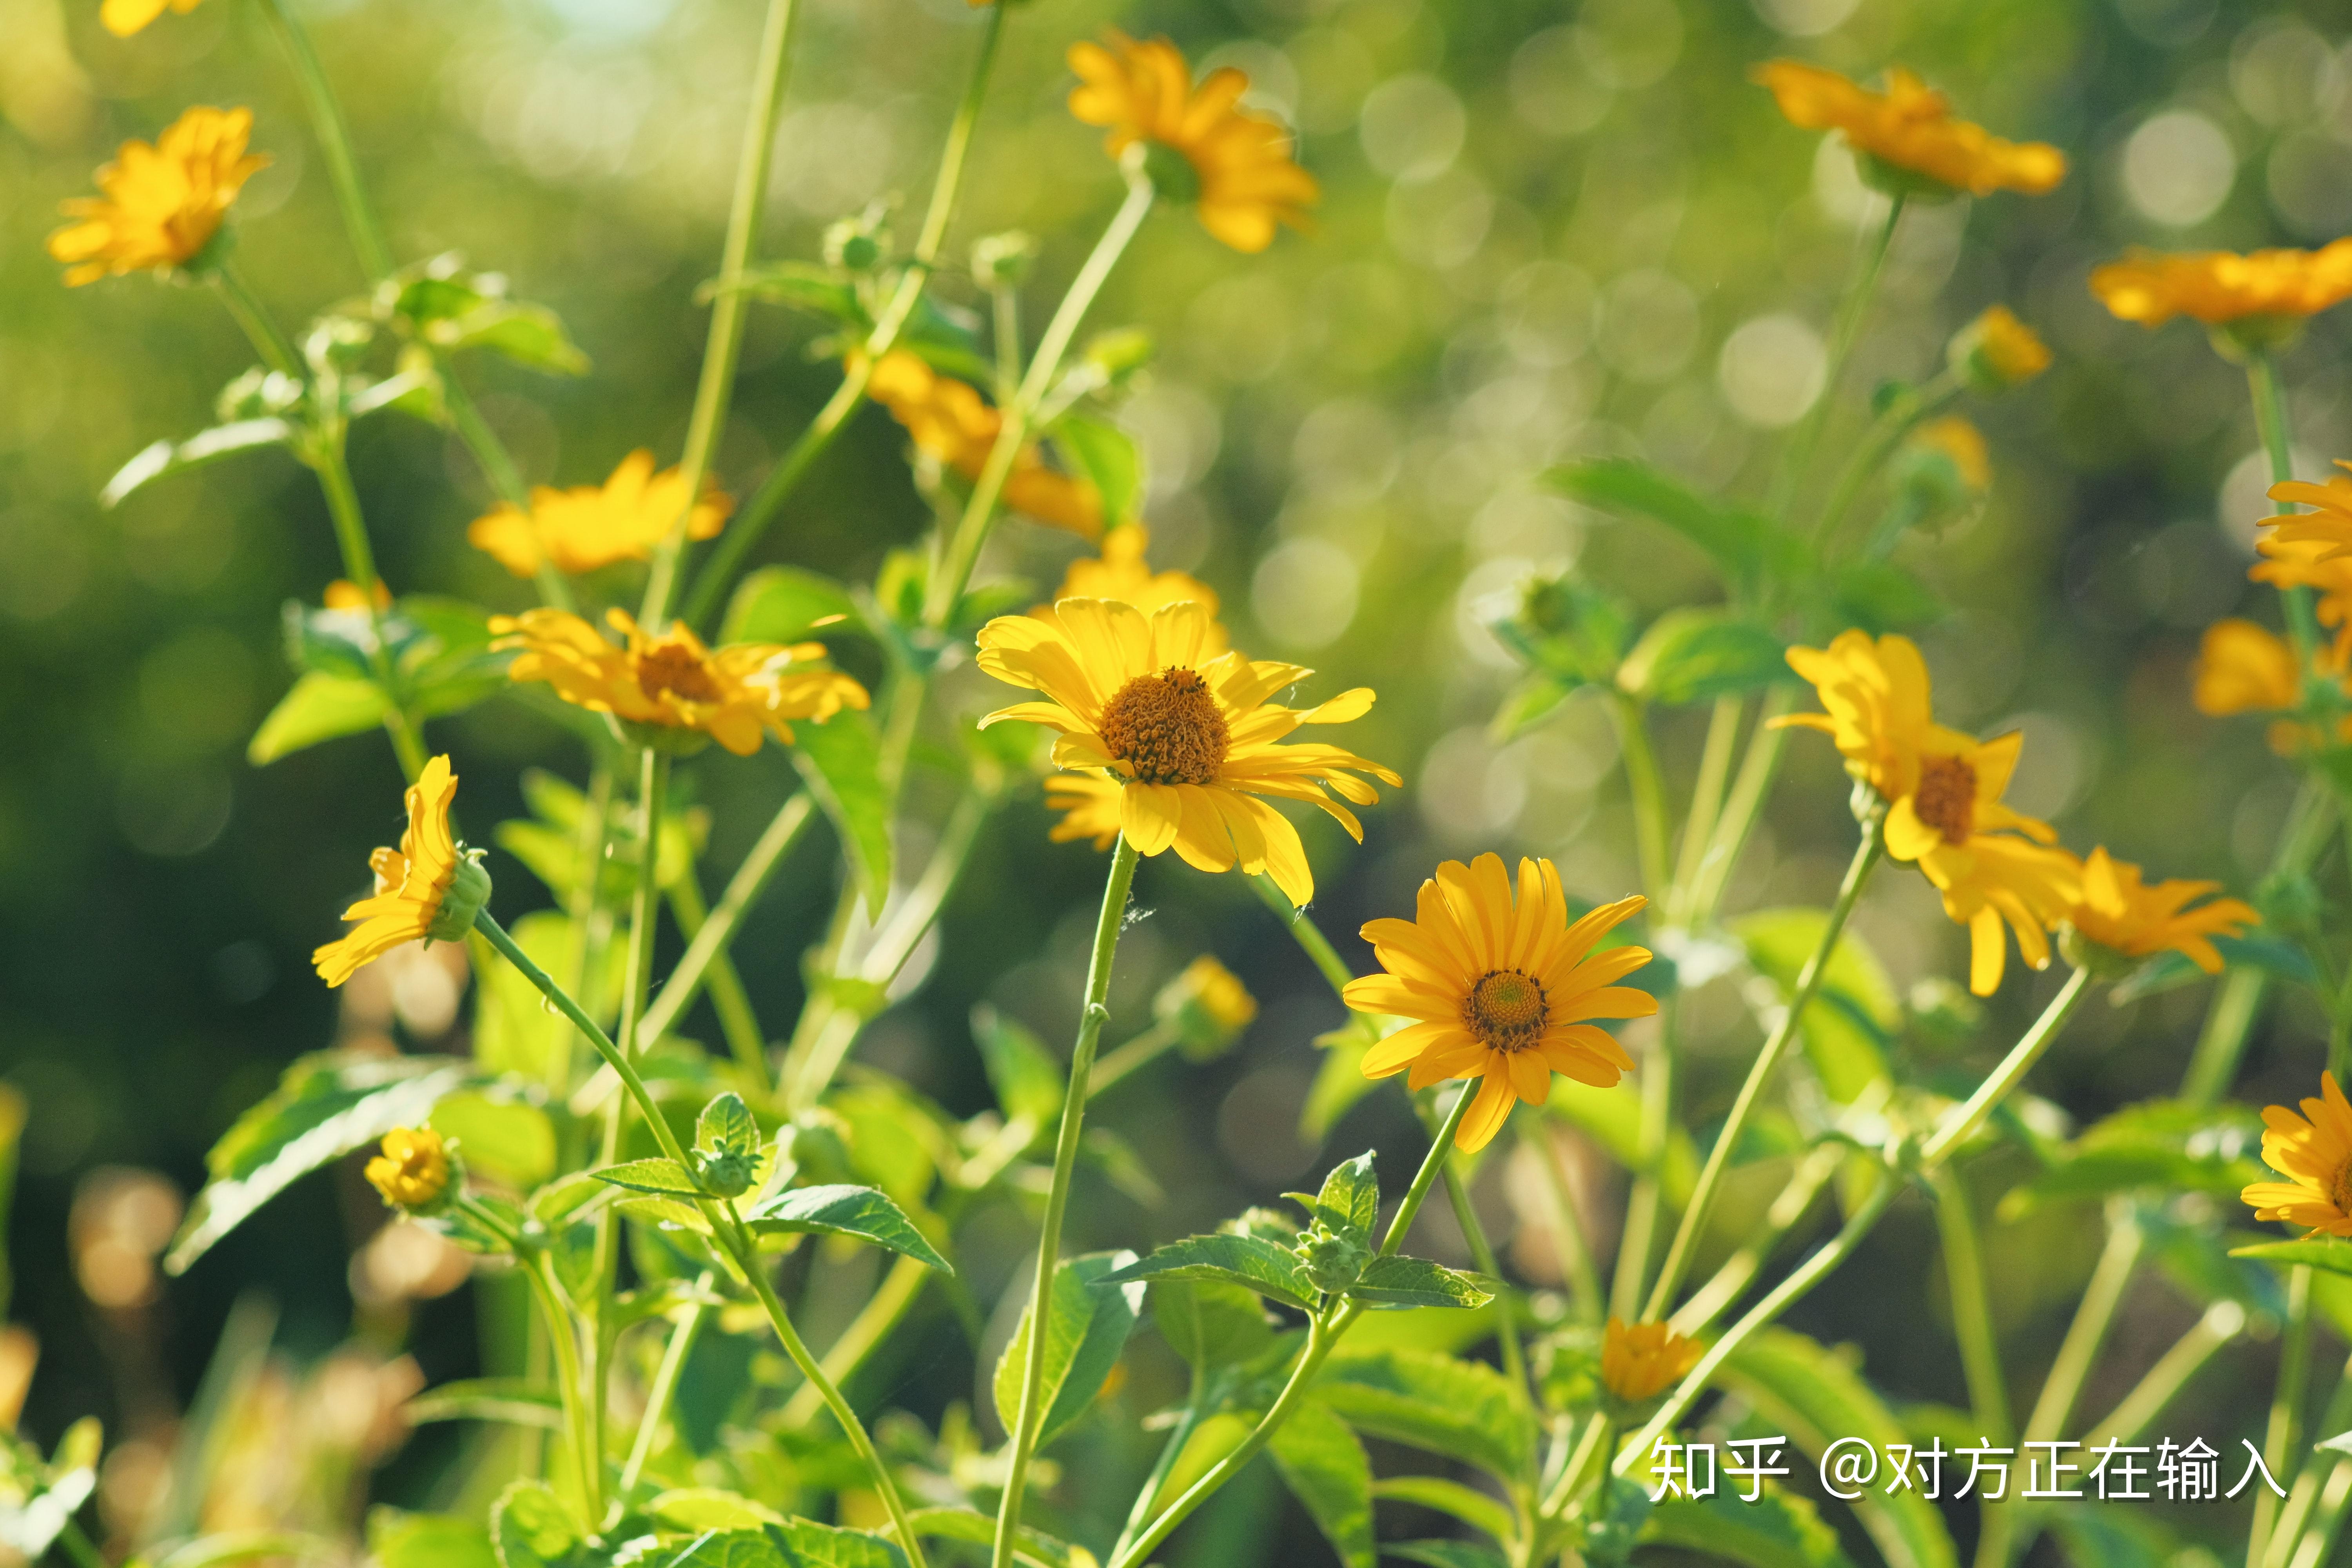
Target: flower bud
x=1208, y=1006
x=414, y=1170
x=469, y=889
x=1997, y=351
x=1003, y=261
x=1332, y=1261
x=858, y=244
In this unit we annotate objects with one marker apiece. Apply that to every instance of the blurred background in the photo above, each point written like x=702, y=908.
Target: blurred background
x=1549, y=228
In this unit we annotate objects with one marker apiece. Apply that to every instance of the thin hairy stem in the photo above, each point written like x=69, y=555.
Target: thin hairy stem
x=1796, y=457
x=335, y=135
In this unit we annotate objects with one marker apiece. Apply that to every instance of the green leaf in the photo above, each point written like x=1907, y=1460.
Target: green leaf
x=724, y=1123
x=326, y=1105
x=1027, y=1078
x=1568, y=627
x=1084, y=1333
x=841, y=761
x=1613, y=1118
x=530, y=1528
x=2097, y=1536
x=1446, y=1553
x=1036, y=1547
x=1879, y=597
x=530, y=335
x=1778, y=1530
x=788, y=604
x=1697, y=655
x=1802, y=1388
x=1533, y=699
x=513, y=1400
x=1106, y=456
x=1750, y=549
x=1329, y=1472
x=2334, y=1255
x=1417, y=1282
x=1251, y=1261
x=1350, y=1203
x=1472, y=1507
x=1437, y=1403
x=861, y=1212
x=507, y=1141
x=2168, y=1145
x=662, y=1177
x=803, y=284
x=1209, y=1322
x=317, y=707
x=205, y=446
x=1854, y=1014
x=2169, y=970
x=711, y=1508
x=400, y=1540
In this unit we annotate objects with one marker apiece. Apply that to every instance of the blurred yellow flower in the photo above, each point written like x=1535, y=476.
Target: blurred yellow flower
x=411, y=1171
x=2313, y=1153
x=1208, y=1006
x=1963, y=443
x=410, y=882
x=948, y=421
x=1877, y=696
x=1500, y=989
x=1992, y=879
x=2242, y=667
x=1910, y=127
x=1642, y=1361
x=1249, y=183
x=124, y=18
x=589, y=526
x=2218, y=287
x=342, y=593
x=2120, y=912
x=1088, y=803
x=1997, y=351
x=1121, y=572
x=1187, y=732
x=735, y=695
x=163, y=204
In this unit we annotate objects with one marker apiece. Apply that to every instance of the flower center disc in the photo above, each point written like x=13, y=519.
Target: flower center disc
x=2339, y=1189
x=1507, y=1009
x=672, y=668
x=1946, y=799
x=1167, y=727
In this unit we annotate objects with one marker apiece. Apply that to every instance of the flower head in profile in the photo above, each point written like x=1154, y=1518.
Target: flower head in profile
x=163, y=204
x=588, y=526
x=1997, y=351
x=1249, y=184
x=1500, y=988
x=1996, y=879
x=1962, y=443
x=1876, y=694
x=2313, y=1153
x=1640, y=1361
x=1207, y=1004
x=1909, y=130
x=952, y=425
x=1188, y=734
x=2242, y=667
x=428, y=890
x=124, y=18
x=735, y=695
x=1122, y=573
x=2126, y=915
x=411, y=1170
x=2219, y=287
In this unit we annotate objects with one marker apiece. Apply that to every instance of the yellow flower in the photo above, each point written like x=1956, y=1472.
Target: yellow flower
x=124, y=18
x=2119, y=911
x=163, y=204
x=418, y=895
x=589, y=526
x=2219, y=286
x=1249, y=183
x=1189, y=732
x=1208, y=1004
x=948, y=421
x=1993, y=878
x=412, y=1170
x=1963, y=443
x=342, y=593
x=1088, y=803
x=1910, y=127
x=2244, y=668
x=1499, y=990
x=1642, y=1361
x=1876, y=694
x=1121, y=572
x=735, y=695
x=2314, y=1155
x=1997, y=351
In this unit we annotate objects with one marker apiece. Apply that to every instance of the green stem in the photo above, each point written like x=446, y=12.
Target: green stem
x=359, y=565
x=1798, y=456
x=2080, y=1348
x=1739, y=813
x=1170, y=1452
x=743, y=889
x=79, y=1547
x=737, y=1021
x=1959, y=1124
x=1575, y=1252
x=1650, y=813
x=653, y=782
x=1305, y=933
x=872, y=1324
x=1706, y=803
x=1909, y=411
x=1809, y=980
x=1138, y=1053
x=682, y=1335
x=2238, y=1001
x=587, y=1445
x=334, y=141
x=963, y=552
x=1024, y=1441
x=1482, y=1254
x=2281, y=1445
x=1643, y=1206
x=730, y=310
x=2222, y=1322
x=1714, y=1298
x=2270, y=418
x=253, y=317
x=589, y=922
x=2321, y=1488
x=1971, y=1308
x=1431, y=1163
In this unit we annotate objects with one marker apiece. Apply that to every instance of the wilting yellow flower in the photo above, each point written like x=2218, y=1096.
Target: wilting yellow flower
x=163, y=204
x=2314, y=1155
x=124, y=18
x=589, y=526
x=735, y=694
x=2119, y=911
x=1997, y=351
x=2219, y=286
x=1910, y=126
x=1963, y=443
x=1188, y=732
x=1249, y=183
x=948, y=420
x=427, y=888
x=1121, y=572
x=413, y=1170
x=1499, y=989
x=1642, y=1361
x=1208, y=1004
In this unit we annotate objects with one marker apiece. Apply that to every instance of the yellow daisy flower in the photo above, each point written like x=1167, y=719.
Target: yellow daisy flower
x=1249, y=183
x=1997, y=351
x=163, y=204
x=2217, y=287
x=2313, y=1153
x=735, y=695
x=1877, y=696
x=427, y=889
x=1499, y=989
x=1910, y=127
x=411, y=1171
x=589, y=526
x=124, y=18
x=947, y=420
x=1993, y=878
x=1121, y=572
x=1188, y=732
x=1642, y=1361
x=2119, y=911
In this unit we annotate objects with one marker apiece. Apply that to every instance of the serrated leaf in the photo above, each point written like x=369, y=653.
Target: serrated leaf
x=326, y=1105
x=673, y=1214
x=1394, y=1282
x=530, y=1528
x=661, y=1176
x=1472, y=1507
x=1856, y=1011
x=1085, y=1334
x=843, y=1210
x=1697, y=655
x=724, y=1123
x=1209, y=1322
x=1329, y=1472
x=1107, y=457
x=1437, y=1403
x=1250, y=1261
x=317, y=707
x=205, y=446
x=1778, y=1530
x=1350, y=1202
x=512, y=1400
x=1027, y=1077
x=789, y=605
x=841, y=761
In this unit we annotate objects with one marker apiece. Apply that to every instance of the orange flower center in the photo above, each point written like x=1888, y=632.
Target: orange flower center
x=1505, y=1010
x=672, y=668
x=2339, y=1188
x=1167, y=727
x=1947, y=797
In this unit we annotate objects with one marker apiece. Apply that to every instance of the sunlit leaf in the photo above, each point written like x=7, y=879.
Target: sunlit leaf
x=861, y=1212
x=1084, y=1333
